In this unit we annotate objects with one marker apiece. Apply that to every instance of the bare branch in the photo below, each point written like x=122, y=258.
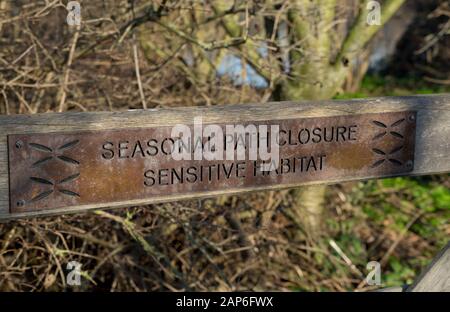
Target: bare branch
x=361, y=32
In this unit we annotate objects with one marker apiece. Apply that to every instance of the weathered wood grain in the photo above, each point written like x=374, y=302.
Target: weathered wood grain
x=436, y=277
x=432, y=152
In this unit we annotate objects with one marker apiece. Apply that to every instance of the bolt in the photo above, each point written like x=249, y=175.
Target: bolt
x=20, y=203
x=409, y=164
x=19, y=144
x=412, y=118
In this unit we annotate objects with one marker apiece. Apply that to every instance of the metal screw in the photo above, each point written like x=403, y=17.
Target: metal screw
x=20, y=203
x=412, y=118
x=19, y=144
x=409, y=164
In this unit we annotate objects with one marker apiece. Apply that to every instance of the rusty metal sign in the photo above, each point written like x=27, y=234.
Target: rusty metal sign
x=54, y=170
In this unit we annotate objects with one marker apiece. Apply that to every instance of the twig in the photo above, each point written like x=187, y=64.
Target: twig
x=138, y=75
x=434, y=39
x=6, y=102
x=62, y=106
x=209, y=46
x=130, y=227
x=438, y=81
x=399, y=239
x=344, y=257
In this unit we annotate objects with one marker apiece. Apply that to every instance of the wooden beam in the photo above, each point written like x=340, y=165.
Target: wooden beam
x=436, y=277
x=431, y=155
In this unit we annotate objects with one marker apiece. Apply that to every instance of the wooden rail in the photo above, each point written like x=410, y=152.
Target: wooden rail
x=431, y=149
x=436, y=277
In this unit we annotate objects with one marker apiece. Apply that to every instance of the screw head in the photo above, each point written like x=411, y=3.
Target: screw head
x=409, y=164
x=20, y=203
x=19, y=144
x=412, y=117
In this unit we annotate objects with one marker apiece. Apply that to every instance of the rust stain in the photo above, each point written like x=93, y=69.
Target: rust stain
x=355, y=156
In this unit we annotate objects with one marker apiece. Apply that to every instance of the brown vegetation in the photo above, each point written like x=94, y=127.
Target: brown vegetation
x=127, y=55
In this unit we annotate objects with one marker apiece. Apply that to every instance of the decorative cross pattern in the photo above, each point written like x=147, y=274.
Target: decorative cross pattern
x=54, y=186
x=388, y=156
x=58, y=153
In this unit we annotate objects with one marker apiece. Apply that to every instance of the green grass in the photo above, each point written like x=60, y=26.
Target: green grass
x=389, y=205
x=390, y=86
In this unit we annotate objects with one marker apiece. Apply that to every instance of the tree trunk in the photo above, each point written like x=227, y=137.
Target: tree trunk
x=308, y=201
x=309, y=209
x=319, y=78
